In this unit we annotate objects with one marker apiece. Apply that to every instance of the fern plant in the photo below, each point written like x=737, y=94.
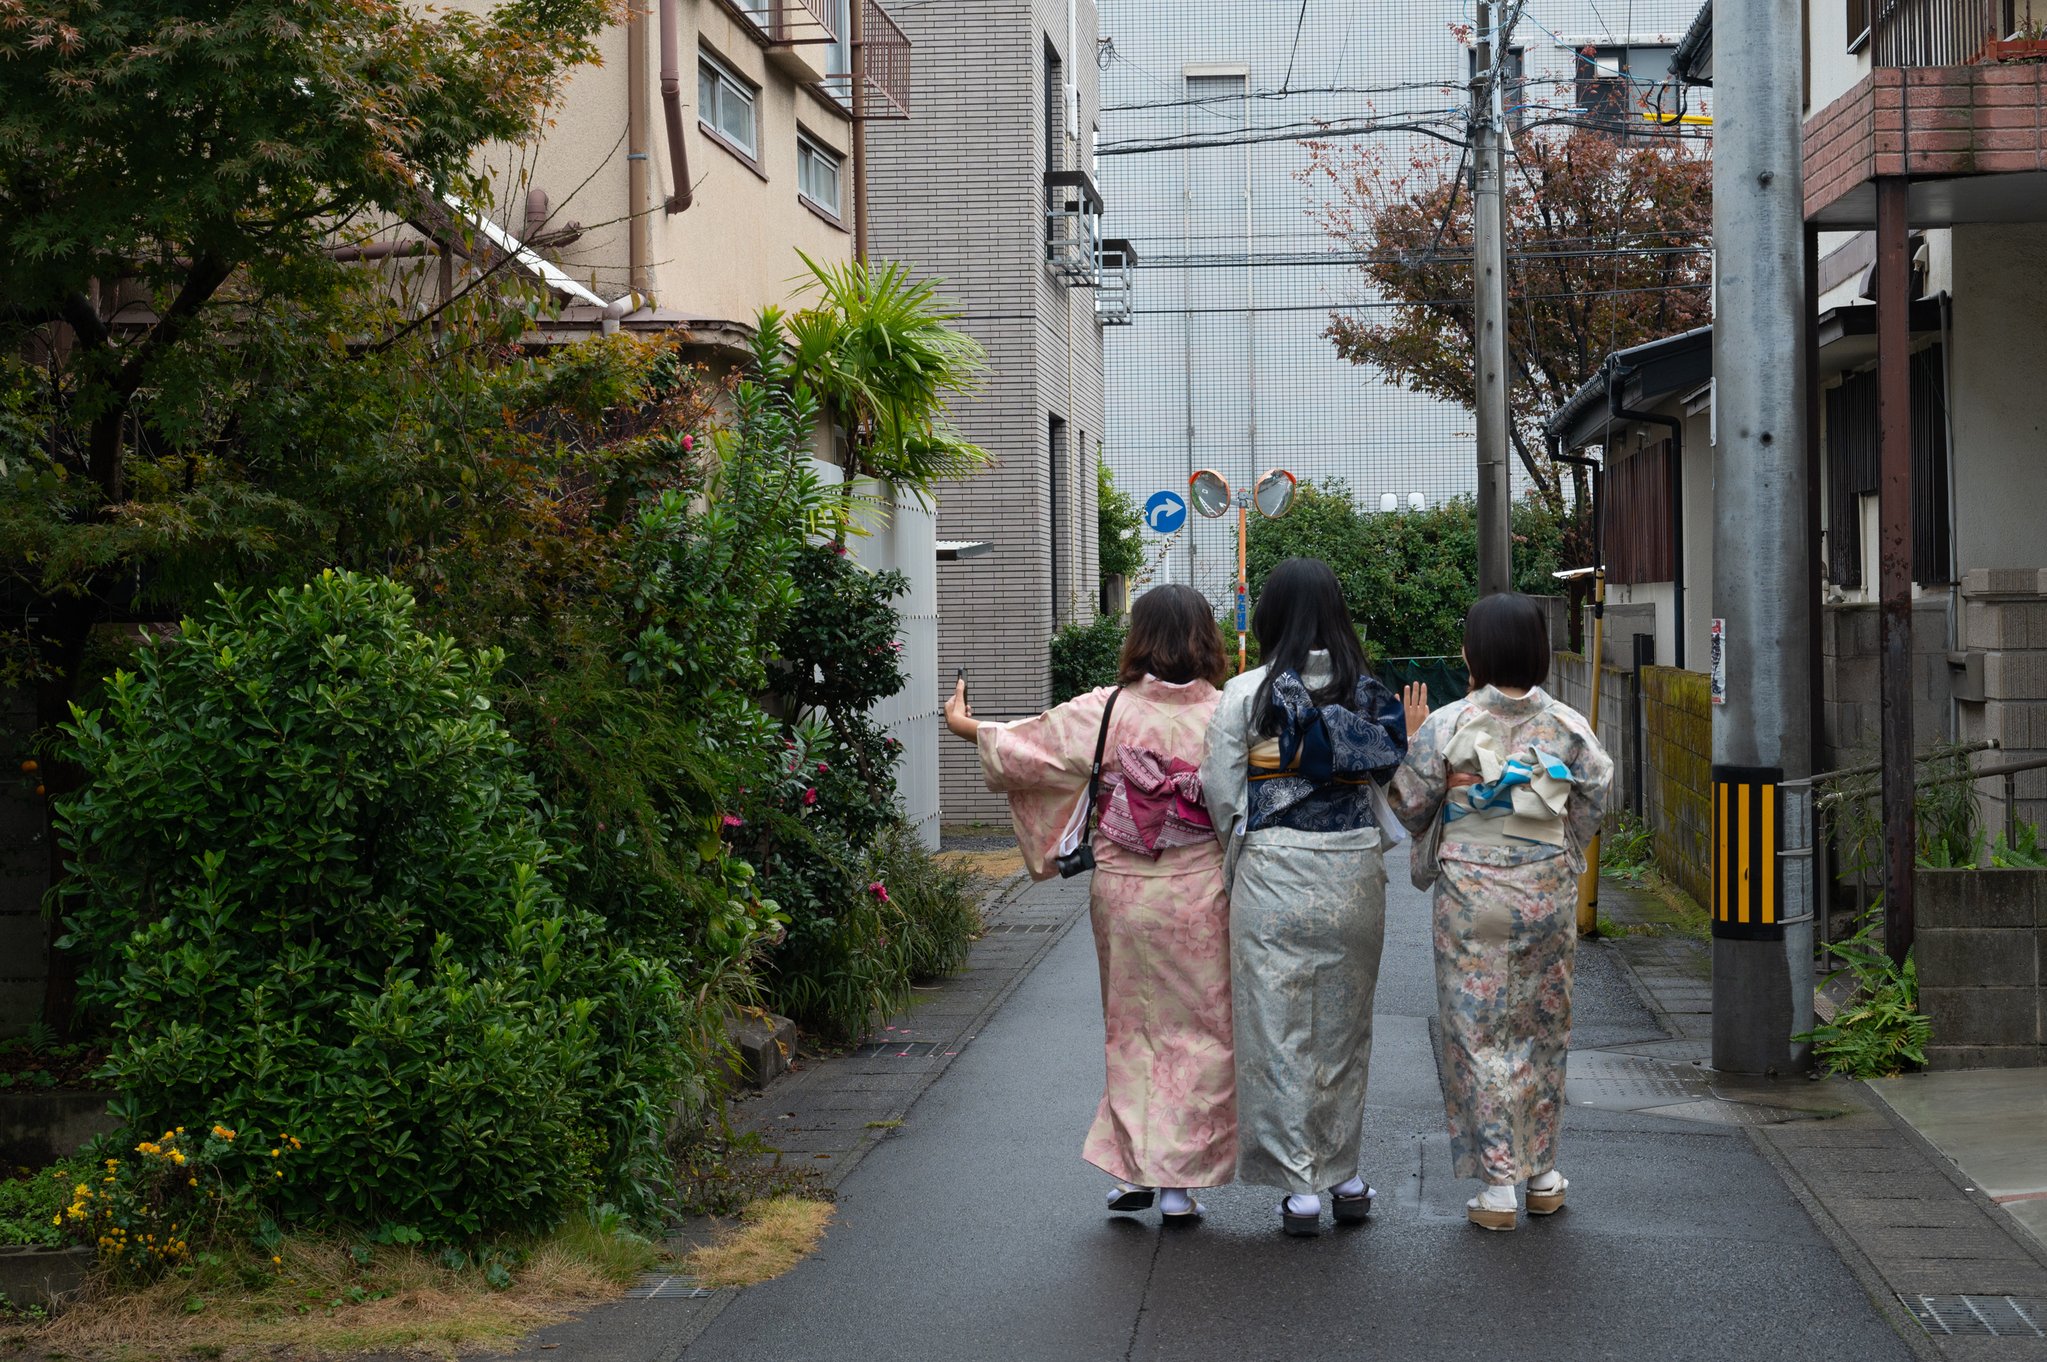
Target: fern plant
x=1880, y=1030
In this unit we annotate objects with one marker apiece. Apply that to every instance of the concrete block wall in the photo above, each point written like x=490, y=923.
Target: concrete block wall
x=1851, y=685
x=1570, y=682
x=1677, y=724
x=1981, y=949
x=2004, y=618
x=957, y=193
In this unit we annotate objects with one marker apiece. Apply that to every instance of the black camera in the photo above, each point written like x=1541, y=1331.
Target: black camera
x=1078, y=861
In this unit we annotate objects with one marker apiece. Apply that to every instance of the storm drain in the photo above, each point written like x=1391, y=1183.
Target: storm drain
x=657, y=1287
x=1979, y=1316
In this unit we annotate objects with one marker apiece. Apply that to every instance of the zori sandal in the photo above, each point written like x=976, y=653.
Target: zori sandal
x=1493, y=1209
x=1179, y=1210
x=1548, y=1200
x=1126, y=1196
x=1351, y=1210
x=1299, y=1225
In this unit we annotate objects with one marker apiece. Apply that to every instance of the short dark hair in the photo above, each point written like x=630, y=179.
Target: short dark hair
x=1506, y=642
x=1172, y=636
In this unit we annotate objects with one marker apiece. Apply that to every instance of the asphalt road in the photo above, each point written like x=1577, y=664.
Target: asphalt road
x=976, y=1232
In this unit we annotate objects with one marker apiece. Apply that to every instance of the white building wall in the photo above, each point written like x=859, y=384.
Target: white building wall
x=1998, y=369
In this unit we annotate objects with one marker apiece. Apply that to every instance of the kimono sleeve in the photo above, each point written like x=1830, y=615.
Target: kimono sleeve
x=1042, y=764
x=1423, y=778
x=1592, y=778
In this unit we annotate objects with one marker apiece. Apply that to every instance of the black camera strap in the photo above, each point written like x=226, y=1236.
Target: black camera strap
x=1088, y=817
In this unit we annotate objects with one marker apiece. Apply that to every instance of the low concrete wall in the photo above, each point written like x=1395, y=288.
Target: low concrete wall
x=1981, y=949
x=41, y=1127
x=1677, y=725
x=39, y=1276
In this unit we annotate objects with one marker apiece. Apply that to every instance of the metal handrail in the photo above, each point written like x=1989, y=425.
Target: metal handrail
x=1965, y=750
x=2010, y=771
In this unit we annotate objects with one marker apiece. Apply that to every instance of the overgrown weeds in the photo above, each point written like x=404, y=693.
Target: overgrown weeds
x=1879, y=1030
x=774, y=1235
x=328, y=1296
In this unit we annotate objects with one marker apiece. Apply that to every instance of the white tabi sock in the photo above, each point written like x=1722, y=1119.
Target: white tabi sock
x=1311, y=1204
x=1175, y=1201
x=1355, y=1187
x=1492, y=1198
x=1546, y=1182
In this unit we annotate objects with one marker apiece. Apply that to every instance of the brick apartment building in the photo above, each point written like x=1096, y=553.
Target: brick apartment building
x=990, y=189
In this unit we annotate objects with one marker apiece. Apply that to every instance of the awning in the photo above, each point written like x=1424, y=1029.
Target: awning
x=953, y=550
x=1638, y=377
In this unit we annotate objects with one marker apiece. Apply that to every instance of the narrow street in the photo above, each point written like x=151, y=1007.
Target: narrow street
x=974, y=1230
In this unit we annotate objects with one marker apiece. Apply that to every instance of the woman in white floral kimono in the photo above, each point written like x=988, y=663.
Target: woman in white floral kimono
x=1296, y=753
x=1503, y=790
x=1167, y=1120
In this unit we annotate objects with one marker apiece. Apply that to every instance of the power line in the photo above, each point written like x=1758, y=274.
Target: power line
x=1250, y=308
x=1299, y=20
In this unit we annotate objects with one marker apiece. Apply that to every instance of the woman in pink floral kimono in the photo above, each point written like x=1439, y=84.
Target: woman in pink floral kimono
x=1503, y=790
x=1167, y=1122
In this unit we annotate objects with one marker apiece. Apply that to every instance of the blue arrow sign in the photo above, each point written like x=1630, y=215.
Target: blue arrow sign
x=1165, y=512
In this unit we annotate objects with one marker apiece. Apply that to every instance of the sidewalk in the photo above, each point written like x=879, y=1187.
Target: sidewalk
x=1904, y=1176
x=1709, y=1218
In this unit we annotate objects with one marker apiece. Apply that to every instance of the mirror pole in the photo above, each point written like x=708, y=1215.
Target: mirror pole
x=1243, y=585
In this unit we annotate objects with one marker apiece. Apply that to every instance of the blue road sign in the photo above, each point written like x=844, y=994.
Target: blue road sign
x=1243, y=614
x=1165, y=512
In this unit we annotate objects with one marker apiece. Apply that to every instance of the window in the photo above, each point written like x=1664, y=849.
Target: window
x=756, y=10
x=725, y=105
x=838, y=81
x=1061, y=508
x=817, y=174
x=1853, y=472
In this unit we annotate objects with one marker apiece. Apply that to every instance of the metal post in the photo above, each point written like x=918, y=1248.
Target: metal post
x=1894, y=555
x=1243, y=577
x=1489, y=284
x=1588, y=883
x=856, y=21
x=1762, y=731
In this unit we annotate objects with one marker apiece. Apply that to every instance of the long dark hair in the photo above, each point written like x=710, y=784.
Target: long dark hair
x=1173, y=636
x=1300, y=610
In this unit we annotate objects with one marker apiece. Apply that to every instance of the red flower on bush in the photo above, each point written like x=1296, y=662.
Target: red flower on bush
x=733, y=820
x=879, y=890
x=810, y=797
x=822, y=768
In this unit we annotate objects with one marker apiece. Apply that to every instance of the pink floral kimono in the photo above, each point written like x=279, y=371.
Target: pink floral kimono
x=1168, y=1115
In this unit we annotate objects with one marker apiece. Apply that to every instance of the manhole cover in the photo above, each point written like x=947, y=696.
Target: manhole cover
x=1979, y=1316
x=655, y=1287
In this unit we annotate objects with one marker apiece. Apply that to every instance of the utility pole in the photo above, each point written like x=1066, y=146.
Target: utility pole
x=1489, y=284
x=1762, y=909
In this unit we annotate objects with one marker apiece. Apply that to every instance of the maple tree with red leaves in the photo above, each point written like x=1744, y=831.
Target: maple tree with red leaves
x=1609, y=246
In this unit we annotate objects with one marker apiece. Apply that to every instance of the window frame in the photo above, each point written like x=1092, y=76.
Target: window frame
x=724, y=76
x=809, y=145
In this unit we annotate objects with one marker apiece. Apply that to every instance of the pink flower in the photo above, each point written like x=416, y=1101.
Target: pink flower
x=809, y=797
x=822, y=768
x=839, y=549
x=879, y=890
x=689, y=442
x=734, y=821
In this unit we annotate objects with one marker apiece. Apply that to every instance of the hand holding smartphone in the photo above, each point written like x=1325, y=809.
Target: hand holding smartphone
x=959, y=715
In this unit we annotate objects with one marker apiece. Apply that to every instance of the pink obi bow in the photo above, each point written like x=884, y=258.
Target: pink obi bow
x=1153, y=803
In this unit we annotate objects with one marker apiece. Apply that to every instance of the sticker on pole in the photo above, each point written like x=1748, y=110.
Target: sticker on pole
x=1243, y=613
x=1716, y=653
x=1165, y=512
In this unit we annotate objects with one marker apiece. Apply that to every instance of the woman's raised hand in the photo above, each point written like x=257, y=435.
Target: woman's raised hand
x=1414, y=698
x=959, y=715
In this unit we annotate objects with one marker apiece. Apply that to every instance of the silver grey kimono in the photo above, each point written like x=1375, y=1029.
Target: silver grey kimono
x=1307, y=922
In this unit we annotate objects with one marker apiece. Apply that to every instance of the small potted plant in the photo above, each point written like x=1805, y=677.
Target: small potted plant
x=2027, y=43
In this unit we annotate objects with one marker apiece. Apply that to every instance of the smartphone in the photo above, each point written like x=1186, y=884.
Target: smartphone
x=960, y=679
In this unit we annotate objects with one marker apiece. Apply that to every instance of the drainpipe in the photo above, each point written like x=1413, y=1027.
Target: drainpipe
x=1616, y=375
x=681, y=195
x=856, y=21
x=639, y=230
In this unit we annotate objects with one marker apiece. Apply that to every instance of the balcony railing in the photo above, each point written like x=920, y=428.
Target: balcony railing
x=790, y=21
x=887, y=62
x=1941, y=32
x=1115, y=283
x=1073, y=227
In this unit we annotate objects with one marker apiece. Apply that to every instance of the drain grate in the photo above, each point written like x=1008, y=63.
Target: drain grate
x=656, y=1287
x=1979, y=1316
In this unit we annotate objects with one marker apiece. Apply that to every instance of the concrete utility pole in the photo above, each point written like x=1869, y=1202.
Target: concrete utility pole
x=1762, y=725
x=1489, y=284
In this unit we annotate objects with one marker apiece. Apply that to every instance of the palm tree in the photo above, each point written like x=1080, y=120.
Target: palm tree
x=877, y=348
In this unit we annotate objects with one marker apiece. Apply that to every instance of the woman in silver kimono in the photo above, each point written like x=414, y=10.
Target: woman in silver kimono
x=1503, y=790
x=1297, y=751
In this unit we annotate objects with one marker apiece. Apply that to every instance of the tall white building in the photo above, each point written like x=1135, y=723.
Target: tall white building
x=1206, y=112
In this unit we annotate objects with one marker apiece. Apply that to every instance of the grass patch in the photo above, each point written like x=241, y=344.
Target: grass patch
x=774, y=1235
x=325, y=1297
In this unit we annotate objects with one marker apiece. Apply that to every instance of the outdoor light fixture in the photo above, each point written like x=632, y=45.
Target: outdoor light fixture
x=1273, y=495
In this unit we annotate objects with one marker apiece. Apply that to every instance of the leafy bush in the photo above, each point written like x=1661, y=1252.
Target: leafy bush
x=1880, y=1029
x=31, y=1206
x=143, y=1208
x=1084, y=656
x=938, y=917
x=310, y=887
x=1117, y=523
x=1406, y=575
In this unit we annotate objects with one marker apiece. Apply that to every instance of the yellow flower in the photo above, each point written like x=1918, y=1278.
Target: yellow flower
x=178, y=1157
x=277, y=1260
x=278, y=1173
x=191, y=1182
x=80, y=1190
x=57, y=1219
x=274, y=1153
